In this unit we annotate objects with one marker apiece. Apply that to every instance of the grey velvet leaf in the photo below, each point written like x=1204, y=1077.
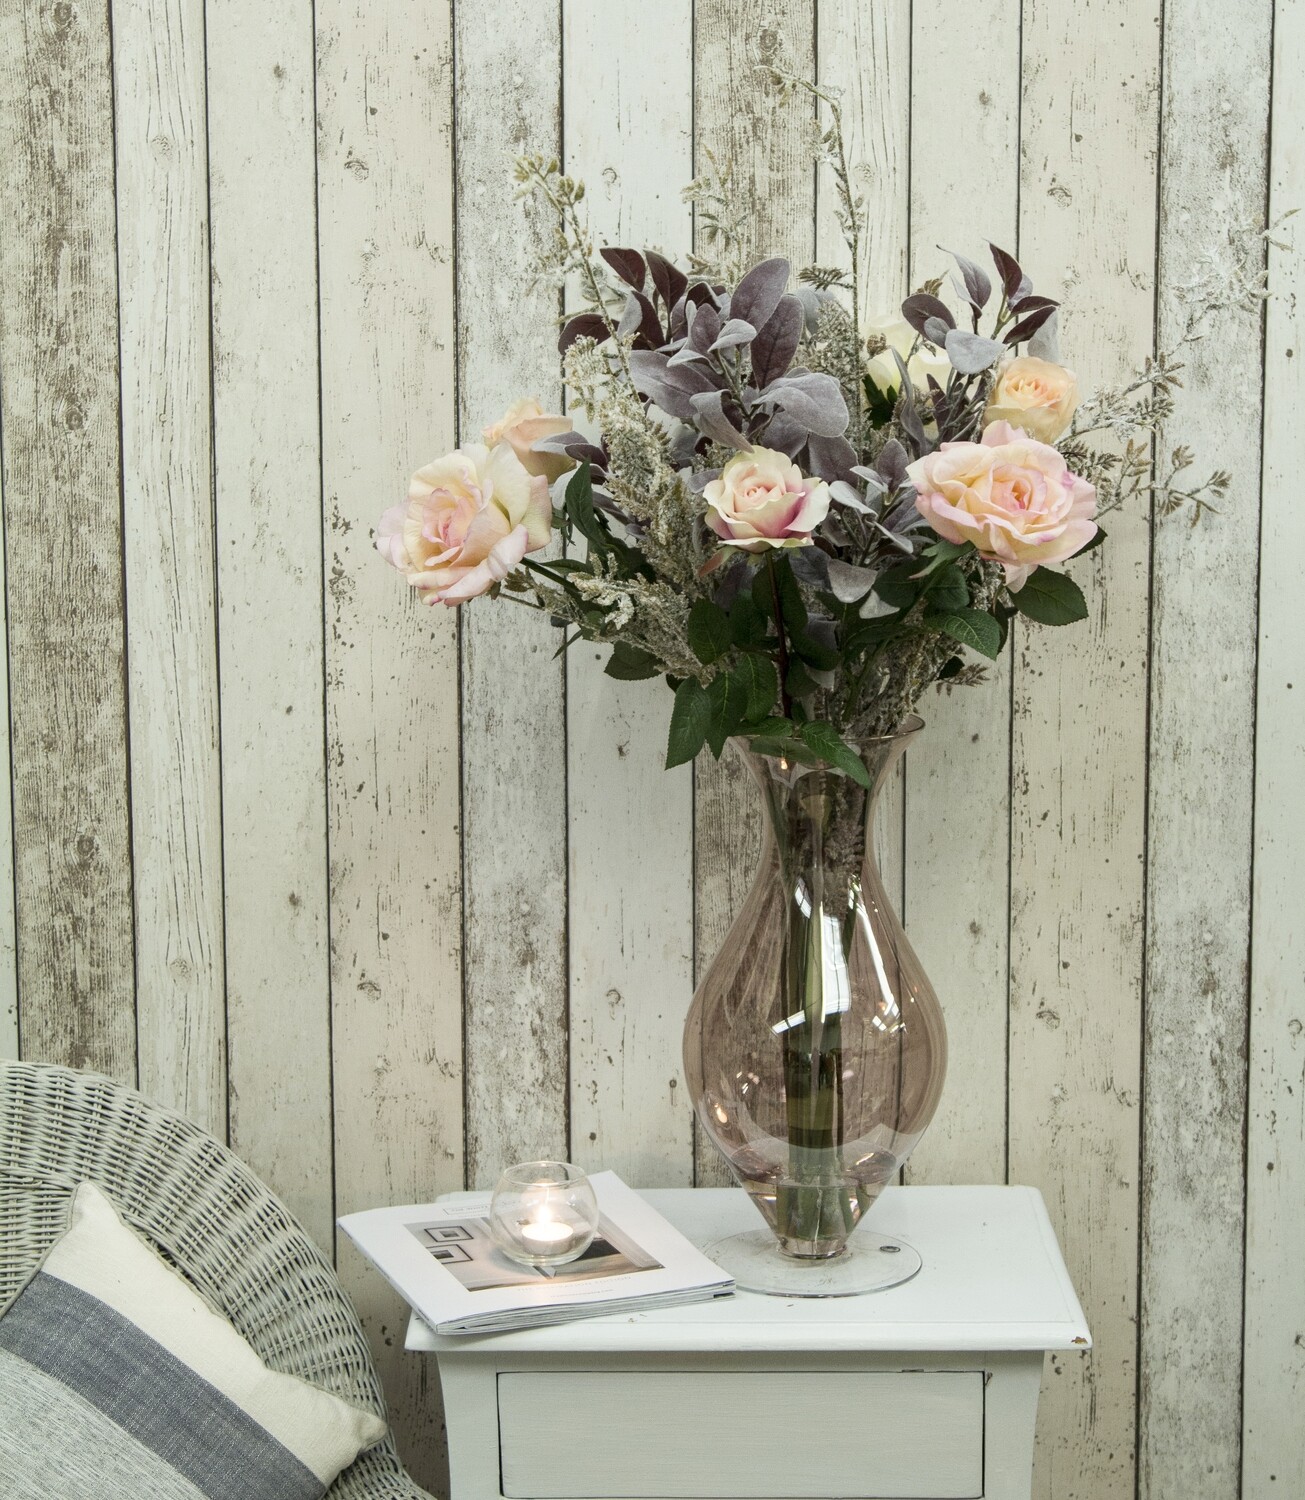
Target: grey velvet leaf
x=831, y=457
x=847, y=582
x=776, y=343
x=810, y=300
x=843, y=493
x=873, y=479
x=810, y=566
x=875, y=608
x=936, y=331
x=704, y=329
x=978, y=286
x=709, y=413
x=785, y=434
x=757, y=296
x=814, y=399
x=670, y=389
x=735, y=333
x=631, y=317
x=970, y=353
x=1045, y=343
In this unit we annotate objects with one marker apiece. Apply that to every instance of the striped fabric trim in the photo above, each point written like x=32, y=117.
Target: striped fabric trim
x=74, y=1338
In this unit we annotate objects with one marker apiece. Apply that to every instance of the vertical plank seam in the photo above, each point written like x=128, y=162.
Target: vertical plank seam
x=9, y=731
x=122, y=544
x=1139, y=1380
x=695, y=1130
x=1012, y=630
x=1255, y=725
x=568, y=973
x=328, y=911
x=217, y=593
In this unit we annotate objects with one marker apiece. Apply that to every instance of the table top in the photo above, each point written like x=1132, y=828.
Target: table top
x=993, y=1279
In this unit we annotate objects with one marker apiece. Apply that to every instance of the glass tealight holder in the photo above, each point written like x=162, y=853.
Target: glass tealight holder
x=543, y=1213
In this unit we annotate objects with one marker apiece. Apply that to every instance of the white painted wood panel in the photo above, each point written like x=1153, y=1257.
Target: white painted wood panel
x=1273, y=1456
x=1198, y=875
x=964, y=192
x=630, y=821
x=63, y=538
x=385, y=193
x=8, y=937
x=863, y=53
x=514, y=770
x=167, y=500
x=571, y=1434
x=1087, y=230
x=737, y=117
x=268, y=543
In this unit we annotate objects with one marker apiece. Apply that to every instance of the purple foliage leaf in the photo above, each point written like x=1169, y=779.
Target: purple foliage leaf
x=785, y=434
x=811, y=566
x=776, y=343
x=1008, y=268
x=650, y=328
x=891, y=463
x=585, y=326
x=831, y=458
x=628, y=265
x=757, y=296
x=670, y=282
x=669, y=389
x=920, y=307
x=1028, y=326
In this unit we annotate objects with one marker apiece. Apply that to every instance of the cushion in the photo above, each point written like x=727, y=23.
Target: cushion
x=118, y=1379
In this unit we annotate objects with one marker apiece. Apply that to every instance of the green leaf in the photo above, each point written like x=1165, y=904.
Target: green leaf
x=790, y=595
x=628, y=663
x=897, y=587
x=709, y=631
x=815, y=653
x=1050, y=598
x=799, y=682
x=690, y=722
x=760, y=682
x=948, y=589
x=580, y=508
x=971, y=627
x=747, y=622
x=825, y=740
x=941, y=551
x=871, y=633
x=729, y=702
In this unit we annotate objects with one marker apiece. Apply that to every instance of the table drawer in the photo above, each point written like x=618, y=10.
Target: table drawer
x=689, y=1435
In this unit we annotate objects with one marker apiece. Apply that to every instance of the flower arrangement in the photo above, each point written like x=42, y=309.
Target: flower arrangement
x=800, y=521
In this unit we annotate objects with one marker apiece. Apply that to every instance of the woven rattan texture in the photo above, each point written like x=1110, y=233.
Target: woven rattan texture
x=206, y=1213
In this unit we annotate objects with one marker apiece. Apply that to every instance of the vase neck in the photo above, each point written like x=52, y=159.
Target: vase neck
x=818, y=816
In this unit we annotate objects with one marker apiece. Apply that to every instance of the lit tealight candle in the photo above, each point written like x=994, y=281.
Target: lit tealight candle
x=546, y=1236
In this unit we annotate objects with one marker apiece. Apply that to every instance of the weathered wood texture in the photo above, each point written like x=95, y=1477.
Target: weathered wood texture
x=412, y=897
x=1087, y=229
x=1198, y=875
x=268, y=520
x=964, y=191
x=63, y=537
x=167, y=499
x=1273, y=1456
x=385, y=236
x=631, y=822
x=514, y=774
x=738, y=118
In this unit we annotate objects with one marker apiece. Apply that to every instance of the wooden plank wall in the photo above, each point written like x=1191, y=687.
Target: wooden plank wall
x=386, y=895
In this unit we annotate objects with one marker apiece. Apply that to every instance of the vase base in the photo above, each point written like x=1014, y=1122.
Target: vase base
x=871, y=1262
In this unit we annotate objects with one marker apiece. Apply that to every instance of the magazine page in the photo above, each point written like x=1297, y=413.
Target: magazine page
x=442, y=1259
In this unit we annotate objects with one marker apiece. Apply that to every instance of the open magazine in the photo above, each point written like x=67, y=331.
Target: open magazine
x=442, y=1260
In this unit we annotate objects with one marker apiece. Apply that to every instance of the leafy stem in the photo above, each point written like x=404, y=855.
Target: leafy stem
x=782, y=650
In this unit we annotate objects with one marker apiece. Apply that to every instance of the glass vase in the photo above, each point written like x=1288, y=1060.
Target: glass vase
x=815, y=1048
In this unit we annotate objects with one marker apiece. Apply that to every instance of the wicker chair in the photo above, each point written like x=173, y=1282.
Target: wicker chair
x=206, y=1212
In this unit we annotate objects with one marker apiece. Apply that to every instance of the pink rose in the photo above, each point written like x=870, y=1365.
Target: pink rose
x=469, y=520
x=521, y=426
x=762, y=499
x=1010, y=495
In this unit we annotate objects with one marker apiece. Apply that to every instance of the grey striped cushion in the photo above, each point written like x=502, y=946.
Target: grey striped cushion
x=117, y=1380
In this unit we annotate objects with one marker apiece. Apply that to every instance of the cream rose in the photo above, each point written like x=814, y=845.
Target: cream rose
x=762, y=499
x=469, y=520
x=521, y=426
x=1010, y=495
x=1036, y=395
x=898, y=334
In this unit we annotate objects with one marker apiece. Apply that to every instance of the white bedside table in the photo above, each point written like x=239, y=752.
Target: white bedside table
x=927, y=1391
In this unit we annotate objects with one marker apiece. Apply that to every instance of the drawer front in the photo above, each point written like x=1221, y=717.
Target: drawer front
x=687, y=1435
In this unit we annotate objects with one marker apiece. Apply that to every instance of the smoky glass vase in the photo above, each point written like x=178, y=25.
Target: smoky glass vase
x=815, y=1048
